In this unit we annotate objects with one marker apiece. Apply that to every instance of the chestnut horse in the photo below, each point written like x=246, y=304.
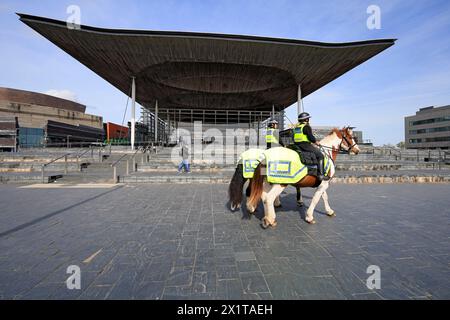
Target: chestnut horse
x=259, y=188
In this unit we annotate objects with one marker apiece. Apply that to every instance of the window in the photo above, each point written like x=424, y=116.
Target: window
x=429, y=130
x=427, y=121
x=437, y=139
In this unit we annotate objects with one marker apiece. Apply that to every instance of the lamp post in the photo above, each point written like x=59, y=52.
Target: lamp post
x=68, y=141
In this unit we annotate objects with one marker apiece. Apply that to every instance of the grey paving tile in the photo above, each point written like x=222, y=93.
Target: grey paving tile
x=245, y=255
x=229, y=289
x=151, y=290
x=253, y=282
x=204, y=282
x=180, y=276
x=248, y=266
x=225, y=272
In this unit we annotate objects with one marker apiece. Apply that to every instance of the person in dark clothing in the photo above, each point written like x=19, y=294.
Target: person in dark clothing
x=304, y=139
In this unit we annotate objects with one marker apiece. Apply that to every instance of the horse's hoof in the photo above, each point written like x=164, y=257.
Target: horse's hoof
x=278, y=206
x=300, y=204
x=311, y=222
x=232, y=207
x=265, y=224
x=331, y=215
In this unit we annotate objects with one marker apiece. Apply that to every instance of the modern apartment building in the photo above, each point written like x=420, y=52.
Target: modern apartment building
x=429, y=128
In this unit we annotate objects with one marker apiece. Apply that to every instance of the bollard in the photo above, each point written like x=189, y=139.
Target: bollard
x=439, y=160
x=114, y=174
x=128, y=167
x=92, y=153
x=134, y=164
x=65, y=164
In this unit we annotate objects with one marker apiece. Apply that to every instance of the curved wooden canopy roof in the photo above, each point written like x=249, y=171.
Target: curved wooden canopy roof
x=186, y=70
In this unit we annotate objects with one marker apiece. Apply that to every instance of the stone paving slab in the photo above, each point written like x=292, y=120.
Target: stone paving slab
x=182, y=242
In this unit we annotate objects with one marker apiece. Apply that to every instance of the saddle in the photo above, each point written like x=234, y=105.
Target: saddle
x=308, y=158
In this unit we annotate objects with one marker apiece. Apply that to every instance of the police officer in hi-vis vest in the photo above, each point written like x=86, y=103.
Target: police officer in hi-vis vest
x=304, y=138
x=272, y=134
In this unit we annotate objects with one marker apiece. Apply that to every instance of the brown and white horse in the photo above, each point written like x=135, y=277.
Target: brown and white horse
x=260, y=189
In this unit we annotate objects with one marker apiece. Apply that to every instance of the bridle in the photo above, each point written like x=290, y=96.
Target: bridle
x=348, y=144
x=341, y=148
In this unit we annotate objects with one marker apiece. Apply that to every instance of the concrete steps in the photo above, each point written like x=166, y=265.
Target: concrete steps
x=167, y=166
x=368, y=167
x=26, y=178
x=84, y=179
x=36, y=166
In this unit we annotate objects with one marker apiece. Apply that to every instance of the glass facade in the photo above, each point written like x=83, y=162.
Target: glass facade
x=31, y=137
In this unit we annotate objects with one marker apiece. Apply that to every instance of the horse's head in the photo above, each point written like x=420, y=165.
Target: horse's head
x=349, y=142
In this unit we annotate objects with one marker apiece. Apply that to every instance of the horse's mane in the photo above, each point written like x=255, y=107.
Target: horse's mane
x=337, y=131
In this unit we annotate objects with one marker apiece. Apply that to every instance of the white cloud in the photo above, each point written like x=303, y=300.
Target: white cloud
x=63, y=94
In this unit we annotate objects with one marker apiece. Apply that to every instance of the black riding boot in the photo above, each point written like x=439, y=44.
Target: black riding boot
x=320, y=174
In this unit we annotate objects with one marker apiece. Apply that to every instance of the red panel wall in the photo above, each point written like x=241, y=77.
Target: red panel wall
x=115, y=131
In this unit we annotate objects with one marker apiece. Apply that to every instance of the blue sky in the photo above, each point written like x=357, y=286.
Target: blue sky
x=374, y=97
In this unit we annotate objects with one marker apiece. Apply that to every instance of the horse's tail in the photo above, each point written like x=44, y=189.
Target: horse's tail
x=235, y=188
x=256, y=186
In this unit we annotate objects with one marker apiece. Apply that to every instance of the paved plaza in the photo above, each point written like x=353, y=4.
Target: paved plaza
x=182, y=242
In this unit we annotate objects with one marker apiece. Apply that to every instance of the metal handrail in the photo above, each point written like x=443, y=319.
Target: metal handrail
x=131, y=157
x=56, y=159
x=90, y=149
x=65, y=156
x=48, y=163
x=120, y=159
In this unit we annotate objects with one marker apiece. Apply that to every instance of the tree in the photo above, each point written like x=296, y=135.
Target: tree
x=401, y=145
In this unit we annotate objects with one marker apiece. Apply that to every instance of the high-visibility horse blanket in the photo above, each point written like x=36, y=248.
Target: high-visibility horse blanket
x=283, y=165
x=250, y=160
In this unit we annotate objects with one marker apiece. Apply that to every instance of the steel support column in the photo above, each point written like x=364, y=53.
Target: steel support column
x=299, y=100
x=133, y=111
x=156, y=121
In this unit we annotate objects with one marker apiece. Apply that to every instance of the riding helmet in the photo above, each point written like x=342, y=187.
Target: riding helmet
x=303, y=116
x=272, y=123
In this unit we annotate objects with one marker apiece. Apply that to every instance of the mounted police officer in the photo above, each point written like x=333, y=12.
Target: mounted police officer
x=304, y=140
x=272, y=134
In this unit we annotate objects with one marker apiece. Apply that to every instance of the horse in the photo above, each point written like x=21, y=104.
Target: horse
x=336, y=141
